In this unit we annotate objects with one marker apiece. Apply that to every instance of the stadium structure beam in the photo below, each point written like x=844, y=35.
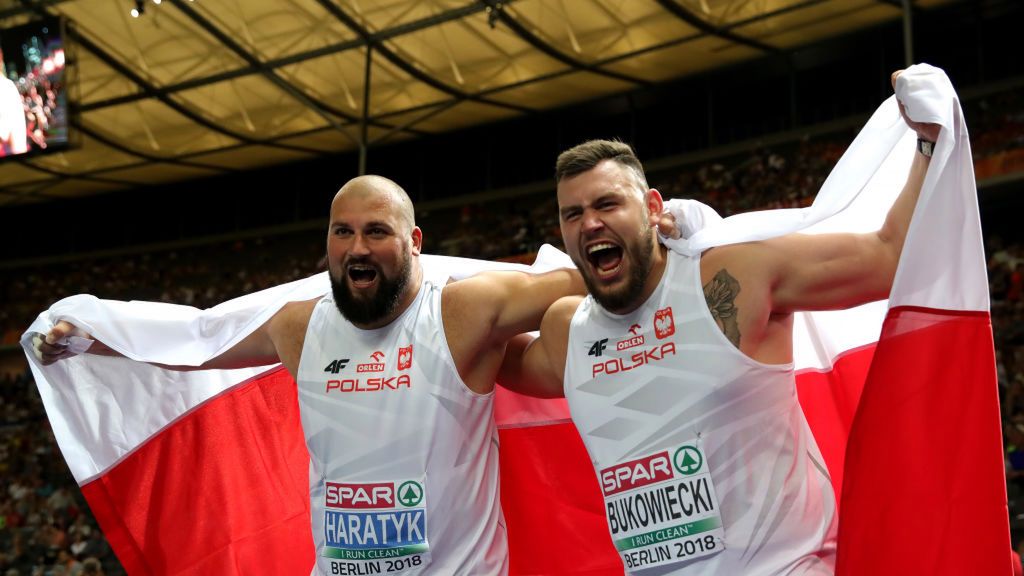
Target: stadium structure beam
x=685, y=15
x=429, y=109
x=361, y=41
x=18, y=195
x=151, y=91
x=328, y=113
x=62, y=176
x=106, y=140
x=609, y=60
x=364, y=132
x=28, y=8
x=497, y=11
x=908, y=33
x=380, y=47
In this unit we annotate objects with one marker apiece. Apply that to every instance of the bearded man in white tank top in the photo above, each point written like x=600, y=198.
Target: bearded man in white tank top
x=678, y=372
x=396, y=376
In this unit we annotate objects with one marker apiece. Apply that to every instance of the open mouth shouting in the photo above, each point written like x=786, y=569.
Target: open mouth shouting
x=362, y=275
x=605, y=259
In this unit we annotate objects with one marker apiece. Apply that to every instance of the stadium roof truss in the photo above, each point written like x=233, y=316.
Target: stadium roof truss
x=204, y=87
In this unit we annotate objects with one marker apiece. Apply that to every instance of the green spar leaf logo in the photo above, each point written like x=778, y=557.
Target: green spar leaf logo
x=410, y=494
x=688, y=460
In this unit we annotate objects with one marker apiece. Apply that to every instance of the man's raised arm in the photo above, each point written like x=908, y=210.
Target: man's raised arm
x=536, y=366
x=835, y=271
x=256, y=349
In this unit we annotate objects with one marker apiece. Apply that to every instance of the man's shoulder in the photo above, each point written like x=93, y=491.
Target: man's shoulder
x=293, y=316
x=559, y=315
x=479, y=288
x=748, y=257
x=566, y=306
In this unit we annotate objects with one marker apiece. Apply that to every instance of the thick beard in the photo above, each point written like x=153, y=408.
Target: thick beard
x=363, y=312
x=639, y=255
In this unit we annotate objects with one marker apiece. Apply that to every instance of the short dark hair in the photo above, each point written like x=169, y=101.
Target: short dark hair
x=584, y=157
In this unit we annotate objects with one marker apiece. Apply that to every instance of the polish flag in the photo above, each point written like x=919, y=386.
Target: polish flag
x=206, y=472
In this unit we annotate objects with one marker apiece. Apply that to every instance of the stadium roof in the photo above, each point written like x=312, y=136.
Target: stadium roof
x=197, y=88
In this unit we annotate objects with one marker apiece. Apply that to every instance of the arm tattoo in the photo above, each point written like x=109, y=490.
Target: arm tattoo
x=720, y=294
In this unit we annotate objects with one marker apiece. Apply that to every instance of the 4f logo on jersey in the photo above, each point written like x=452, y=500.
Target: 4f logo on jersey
x=664, y=324
x=405, y=357
x=336, y=366
x=598, y=347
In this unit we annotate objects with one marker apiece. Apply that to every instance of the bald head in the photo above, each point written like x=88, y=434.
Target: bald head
x=379, y=189
x=372, y=246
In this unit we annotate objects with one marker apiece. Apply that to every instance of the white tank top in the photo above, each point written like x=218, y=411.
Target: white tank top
x=403, y=475
x=705, y=461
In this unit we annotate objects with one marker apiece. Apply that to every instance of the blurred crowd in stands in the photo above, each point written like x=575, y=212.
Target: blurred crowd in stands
x=997, y=124
x=45, y=526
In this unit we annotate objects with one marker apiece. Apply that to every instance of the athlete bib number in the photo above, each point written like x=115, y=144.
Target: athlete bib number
x=662, y=508
x=375, y=527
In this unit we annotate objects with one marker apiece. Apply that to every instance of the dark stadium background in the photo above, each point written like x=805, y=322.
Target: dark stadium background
x=717, y=135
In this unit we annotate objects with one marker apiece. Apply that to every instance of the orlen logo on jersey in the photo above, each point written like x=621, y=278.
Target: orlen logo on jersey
x=405, y=357
x=638, y=359
x=375, y=366
x=360, y=496
x=664, y=324
x=636, y=473
x=631, y=342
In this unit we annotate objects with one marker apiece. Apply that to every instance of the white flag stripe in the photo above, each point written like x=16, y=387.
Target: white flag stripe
x=103, y=408
x=948, y=271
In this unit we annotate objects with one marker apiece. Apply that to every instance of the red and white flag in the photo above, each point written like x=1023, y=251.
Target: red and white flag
x=206, y=472
x=901, y=395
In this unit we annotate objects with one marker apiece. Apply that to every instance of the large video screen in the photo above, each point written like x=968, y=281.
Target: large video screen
x=33, y=94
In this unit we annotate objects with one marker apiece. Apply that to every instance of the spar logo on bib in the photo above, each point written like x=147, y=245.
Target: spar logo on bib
x=636, y=473
x=688, y=460
x=662, y=508
x=372, y=521
x=410, y=494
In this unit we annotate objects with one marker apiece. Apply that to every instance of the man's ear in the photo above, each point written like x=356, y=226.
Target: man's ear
x=655, y=206
x=417, y=240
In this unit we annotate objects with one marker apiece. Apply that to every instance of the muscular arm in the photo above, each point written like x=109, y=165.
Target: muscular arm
x=833, y=271
x=843, y=270
x=277, y=340
x=536, y=366
x=752, y=289
x=511, y=303
x=483, y=312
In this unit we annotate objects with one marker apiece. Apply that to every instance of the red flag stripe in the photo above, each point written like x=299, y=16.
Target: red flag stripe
x=222, y=490
x=829, y=401
x=553, y=506
x=929, y=495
